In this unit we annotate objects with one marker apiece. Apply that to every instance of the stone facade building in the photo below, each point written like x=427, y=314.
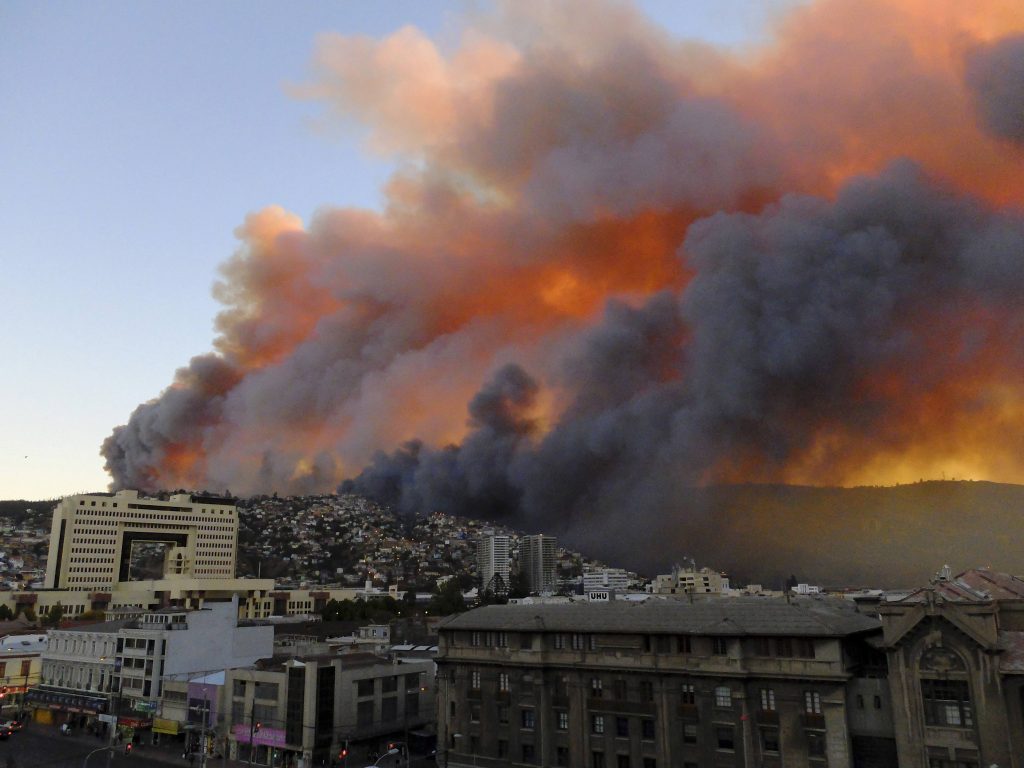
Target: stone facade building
x=956, y=671
x=717, y=682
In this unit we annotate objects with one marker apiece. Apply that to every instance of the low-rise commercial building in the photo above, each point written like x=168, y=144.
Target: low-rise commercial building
x=311, y=706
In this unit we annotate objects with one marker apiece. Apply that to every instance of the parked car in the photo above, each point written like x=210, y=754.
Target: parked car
x=14, y=725
x=5, y=731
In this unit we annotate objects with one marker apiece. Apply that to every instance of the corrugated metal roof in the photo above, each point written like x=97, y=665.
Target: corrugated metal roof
x=722, y=617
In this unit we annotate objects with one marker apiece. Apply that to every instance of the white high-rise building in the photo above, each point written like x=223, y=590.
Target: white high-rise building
x=605, y=578
x=492, y=559
x=92, y=538
x=538, y=556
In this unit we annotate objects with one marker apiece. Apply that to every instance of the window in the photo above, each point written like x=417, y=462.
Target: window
x=768, y=699
x=804, y=648
x=503, y=714
x=719, y=646
x=689, y=733
x=527, y=719
x=528, y=753
x=725, y=737
x=597, y=759
x=389, y=684
x=474, y=680
x=503, y=681
x=562, y=757
x=622, y=727
x=502, y=640
x=364, y=713
x=525, y=641
x=947, y=703
x=622, y=761
x=878, y=702
x=366, y=687
x=596, y=687
x=474, y=713
x=815, y=744
x=563, y=720
x=619, y=689
x=762, y=646
x=646, y=690
x=502, y=748
x=812, y=702
x=770, y=740
x=683, y=644
x=723, y=696
x=647, y=729
x=650, y=762
x=559, y=642
x=474, y=744
x=474, y=639
x=860, y=701
x=597, y=723
x=783, y=647
x=238, y=688
x=577, y=641
x=389, y=709
x=689, y=696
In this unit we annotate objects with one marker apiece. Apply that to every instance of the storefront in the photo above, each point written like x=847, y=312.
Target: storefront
x=167, y=731
x=59, y=705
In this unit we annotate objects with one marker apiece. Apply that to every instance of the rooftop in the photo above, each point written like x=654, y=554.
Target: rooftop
x=973, y=585
x=715, y=616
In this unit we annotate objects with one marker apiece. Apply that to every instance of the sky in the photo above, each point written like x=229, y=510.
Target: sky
x=134, y=139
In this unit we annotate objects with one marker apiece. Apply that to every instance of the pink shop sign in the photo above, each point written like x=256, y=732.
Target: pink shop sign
x=272, y=737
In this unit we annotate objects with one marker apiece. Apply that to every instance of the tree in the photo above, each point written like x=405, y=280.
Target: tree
x=447, y=599
x=517, y=585
x=6, y=614
x=53, y=616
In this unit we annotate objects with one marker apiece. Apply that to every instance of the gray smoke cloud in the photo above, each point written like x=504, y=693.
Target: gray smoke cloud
x=791, y=316
x=613, y=267
x=995, y=75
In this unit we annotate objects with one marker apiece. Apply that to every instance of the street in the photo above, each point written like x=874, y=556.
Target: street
x=43, y=747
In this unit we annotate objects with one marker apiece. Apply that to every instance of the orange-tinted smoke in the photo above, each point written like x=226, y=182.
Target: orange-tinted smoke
x=515, y=218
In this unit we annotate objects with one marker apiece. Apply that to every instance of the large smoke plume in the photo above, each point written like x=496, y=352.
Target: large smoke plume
x=615, y=268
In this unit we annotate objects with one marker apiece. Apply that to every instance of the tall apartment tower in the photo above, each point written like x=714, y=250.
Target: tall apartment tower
x=492, y=559
x=92, y=537
x=537, y=558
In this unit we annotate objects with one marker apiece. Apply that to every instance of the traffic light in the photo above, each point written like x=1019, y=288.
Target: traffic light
x=343, y=754
x=128, y=748
x=256, y=728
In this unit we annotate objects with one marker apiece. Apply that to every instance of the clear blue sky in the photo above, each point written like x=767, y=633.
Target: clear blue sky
x=134, y=138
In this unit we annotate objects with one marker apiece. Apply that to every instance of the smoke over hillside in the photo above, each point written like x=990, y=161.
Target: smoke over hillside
x=615, y=266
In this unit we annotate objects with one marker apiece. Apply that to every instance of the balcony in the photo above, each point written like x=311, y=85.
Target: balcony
x=689, y=712
x=620, y=707
x=814, y=721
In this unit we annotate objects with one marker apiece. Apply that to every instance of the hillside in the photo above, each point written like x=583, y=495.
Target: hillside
x=878, y=536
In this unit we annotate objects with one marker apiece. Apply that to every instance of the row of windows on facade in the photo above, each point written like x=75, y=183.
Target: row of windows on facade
x=113, y=505
x=724, y=739
x=267, y=713
x=365, y=687
x=782, y=647
x=177, y=517
x=25, y=667
x=722, y=693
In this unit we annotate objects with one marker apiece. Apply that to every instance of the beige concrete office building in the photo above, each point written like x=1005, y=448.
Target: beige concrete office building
x=92, y=536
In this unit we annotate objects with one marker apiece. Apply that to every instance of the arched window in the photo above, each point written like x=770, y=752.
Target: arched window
x=945, y=690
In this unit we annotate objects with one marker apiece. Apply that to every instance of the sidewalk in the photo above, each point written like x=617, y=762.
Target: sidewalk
x=164, y=753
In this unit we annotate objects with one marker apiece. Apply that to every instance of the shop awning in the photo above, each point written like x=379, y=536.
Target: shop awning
x=171, y=727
